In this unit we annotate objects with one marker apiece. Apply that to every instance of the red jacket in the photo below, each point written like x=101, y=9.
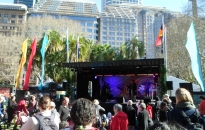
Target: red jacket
x=149, y=109
x=119, y=122
x=22, y=107
x=202, y=107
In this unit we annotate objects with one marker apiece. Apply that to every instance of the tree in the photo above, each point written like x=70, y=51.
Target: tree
x=37, y=26
x=130, y=50
x=190, y=8
x=10, y=49
x=179, y=64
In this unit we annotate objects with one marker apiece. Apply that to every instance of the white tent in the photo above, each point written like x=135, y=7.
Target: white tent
x=176, y=81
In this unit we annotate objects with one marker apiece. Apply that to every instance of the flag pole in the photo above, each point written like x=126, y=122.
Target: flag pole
x=67, y=46
x=164, y=41
x=77, y=48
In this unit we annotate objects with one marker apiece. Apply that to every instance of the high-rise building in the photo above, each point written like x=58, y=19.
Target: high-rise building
x=12, y=19
x=28, y=3
x=124, y=21
x=109, y=2
x=83, y=11
x=117, y=25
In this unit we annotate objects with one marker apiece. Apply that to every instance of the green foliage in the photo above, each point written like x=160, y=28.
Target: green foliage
x=162, y=79
x=89, y=51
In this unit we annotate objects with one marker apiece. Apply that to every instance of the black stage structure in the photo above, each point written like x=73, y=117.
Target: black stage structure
x=86, y=71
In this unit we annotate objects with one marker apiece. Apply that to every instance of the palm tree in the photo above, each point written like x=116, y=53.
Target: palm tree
x=102, y=52
x=130, y=50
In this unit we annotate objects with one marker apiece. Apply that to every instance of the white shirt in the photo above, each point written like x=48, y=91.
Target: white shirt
x=33, y=124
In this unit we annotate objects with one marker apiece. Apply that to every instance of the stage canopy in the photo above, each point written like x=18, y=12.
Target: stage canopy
x=89, y=71
x=141, y=66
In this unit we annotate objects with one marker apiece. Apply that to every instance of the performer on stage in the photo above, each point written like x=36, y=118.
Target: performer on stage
x=132, y=89
x=147, y=87
x=103, y=90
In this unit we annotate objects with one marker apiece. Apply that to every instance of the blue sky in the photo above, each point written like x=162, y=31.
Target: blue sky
x=174, y=5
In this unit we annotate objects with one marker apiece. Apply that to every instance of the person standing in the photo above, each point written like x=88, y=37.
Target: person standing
x=143, y=118
x=120, y=120
x=45, y=119
x=202, y=109
x=64, y=111
x=98, y=109
x=131, y=113
x=184, y=104
x=163, y=113
x=83, y=114
x=10, y=109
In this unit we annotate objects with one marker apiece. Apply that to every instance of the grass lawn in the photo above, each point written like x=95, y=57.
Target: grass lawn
x=11, y=128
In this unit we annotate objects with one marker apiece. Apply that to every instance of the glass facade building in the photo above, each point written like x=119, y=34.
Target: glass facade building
x=86, y=13
x=109, y=2
x=28, y=3
x=119, y=23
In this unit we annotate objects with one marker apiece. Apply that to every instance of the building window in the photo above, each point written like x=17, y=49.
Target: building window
x=104, y=33
x=6, y=15
x=5, y=20
x=13, y=16
x=89, y=30
x=20, y=21
x=112, y=33
x=104, y=28
x=90, y=36
x=111, y=28
x=89, y=24
x=82, y=24
x=20, y=16
x=12, y=21
x=104, y=38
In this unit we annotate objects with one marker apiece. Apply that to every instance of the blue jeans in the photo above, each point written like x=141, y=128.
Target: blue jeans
x=203, y=118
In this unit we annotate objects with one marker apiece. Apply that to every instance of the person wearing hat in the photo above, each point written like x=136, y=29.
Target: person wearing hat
x=202, y=108
x=53, y=108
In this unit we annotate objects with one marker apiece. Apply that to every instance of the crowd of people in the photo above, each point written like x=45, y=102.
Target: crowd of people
x=38, y=112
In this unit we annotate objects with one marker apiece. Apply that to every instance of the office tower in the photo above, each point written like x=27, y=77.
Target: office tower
x=83, y=11
x=116, y=26
x=12, y=19
x=109, y=2
x=147, y=21
x=28, y=3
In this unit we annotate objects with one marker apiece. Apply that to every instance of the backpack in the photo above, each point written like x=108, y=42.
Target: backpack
x=46, y=122
x=190, y=125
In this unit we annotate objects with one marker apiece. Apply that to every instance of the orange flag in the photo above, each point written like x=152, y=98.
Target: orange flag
x=159, y=38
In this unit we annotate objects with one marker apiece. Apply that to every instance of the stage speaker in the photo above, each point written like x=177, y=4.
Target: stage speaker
x=147, y=100
x=120, y=99
x=169, y=85
x=187, y=86
x=64, y=86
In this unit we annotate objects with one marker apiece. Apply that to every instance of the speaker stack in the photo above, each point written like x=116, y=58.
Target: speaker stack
x=169, y=85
